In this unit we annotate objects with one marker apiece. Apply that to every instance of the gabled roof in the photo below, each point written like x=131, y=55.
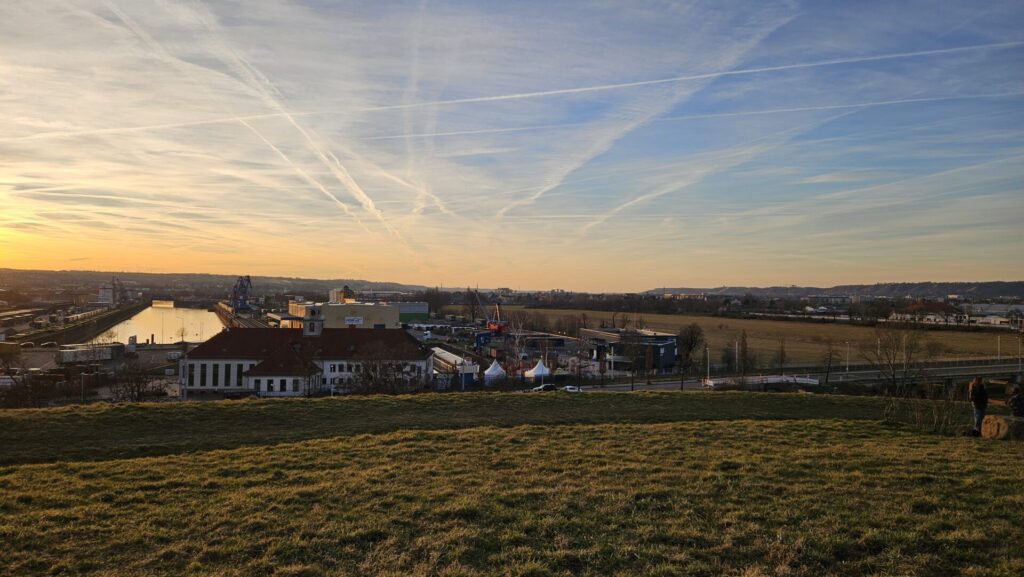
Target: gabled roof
x=284, y=363
x=332, y=344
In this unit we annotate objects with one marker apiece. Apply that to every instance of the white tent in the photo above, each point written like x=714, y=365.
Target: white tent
x=494, y=373
x=538, y=371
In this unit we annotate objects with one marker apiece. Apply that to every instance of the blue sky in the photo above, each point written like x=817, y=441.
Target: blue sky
x=589, y=145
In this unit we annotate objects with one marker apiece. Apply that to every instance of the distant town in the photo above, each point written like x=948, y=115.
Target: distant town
x=67, y=339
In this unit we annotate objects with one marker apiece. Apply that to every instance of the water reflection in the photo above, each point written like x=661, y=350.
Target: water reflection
x=163, y=323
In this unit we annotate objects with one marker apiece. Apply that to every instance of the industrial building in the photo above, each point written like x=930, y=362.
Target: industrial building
x=350, y=314
x=457, y=370
x=290, y=362
x=622, y=348
x=345, y=315
x=411, y=312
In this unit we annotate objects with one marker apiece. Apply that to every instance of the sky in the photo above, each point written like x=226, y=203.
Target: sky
x=601, y=146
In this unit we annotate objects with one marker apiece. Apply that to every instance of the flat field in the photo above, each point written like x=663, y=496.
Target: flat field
x=619, y=485
x=805, y=341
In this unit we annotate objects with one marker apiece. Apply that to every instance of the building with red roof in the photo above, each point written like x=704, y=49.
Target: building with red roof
x=300, y=362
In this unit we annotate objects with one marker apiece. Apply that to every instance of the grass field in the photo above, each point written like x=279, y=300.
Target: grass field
x=805, y=341
x=504, y=484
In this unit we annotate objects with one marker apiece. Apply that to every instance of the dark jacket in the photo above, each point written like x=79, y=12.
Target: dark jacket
x=979, y=397
x=1016, y=404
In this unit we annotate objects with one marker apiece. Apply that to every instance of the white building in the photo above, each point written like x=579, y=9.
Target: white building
x=292, y=362
x=106, y=294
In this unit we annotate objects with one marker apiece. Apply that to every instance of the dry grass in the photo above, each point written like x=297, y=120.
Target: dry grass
x=821, y=496
x=805, y=341
x=104, y=431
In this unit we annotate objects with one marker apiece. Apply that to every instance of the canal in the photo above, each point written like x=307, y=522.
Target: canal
x=163, y=323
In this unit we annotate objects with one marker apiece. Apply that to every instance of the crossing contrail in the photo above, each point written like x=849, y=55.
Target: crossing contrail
x=583, y=89
x=305, y=175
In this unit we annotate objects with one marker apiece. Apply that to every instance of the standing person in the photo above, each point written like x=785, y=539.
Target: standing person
x=978, y=395
x=1016, y=401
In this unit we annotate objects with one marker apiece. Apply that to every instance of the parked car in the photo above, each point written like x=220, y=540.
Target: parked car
x=572, y=389
x=49, y=345
x=28, y=345
x=544, y=388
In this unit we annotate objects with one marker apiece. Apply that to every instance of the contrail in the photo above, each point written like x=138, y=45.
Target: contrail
x=726, y=161
x=261, y=84
x=650, y=110
x=235, y=119
x=157, y=48
x=304, y=174
x=703, y=116
x=842, y=106
x=479, y=131
x=129, y=129
x=227, y=120
x=708, y=75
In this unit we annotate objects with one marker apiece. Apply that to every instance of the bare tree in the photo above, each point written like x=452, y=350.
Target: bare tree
x=829, y=358
x=379, y=373
x=132, y=384
x=469, y=304
x=901, y=355
x=689, y=341
x=633, y=350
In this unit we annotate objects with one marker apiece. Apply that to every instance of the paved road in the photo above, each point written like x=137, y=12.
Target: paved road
x=864, y=377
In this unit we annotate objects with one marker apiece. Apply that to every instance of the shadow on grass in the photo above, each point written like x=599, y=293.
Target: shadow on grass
x=101, y=432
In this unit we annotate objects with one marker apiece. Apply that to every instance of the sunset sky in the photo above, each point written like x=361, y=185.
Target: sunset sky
x=586, y=146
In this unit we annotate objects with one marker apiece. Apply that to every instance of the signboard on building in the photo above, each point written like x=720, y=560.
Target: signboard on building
x=353, y=320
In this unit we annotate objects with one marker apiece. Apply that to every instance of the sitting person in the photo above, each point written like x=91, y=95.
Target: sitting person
x=1016, y=401
x=978, y=395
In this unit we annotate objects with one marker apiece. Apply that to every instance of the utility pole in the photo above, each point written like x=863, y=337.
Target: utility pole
x=1018, y=354
x=999, y=347
x=707, y=350
x=847, y=356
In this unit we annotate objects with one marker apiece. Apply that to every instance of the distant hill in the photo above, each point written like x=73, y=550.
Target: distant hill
x=977, y=290
x=166, y=281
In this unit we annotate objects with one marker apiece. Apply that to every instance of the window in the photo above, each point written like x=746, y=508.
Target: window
x=191, y=374
x=323, y=381
x=257, y=383
x=270, y=385
x=295, y=385
x=238, y=374
x=333, y=368
x=227, y=375
x=202, y=375
x=216, y=374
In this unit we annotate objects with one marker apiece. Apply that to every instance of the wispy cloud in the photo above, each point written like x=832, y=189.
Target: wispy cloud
x=541, y=145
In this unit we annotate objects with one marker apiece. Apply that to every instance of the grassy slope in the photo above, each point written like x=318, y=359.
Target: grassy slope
x=120, y=431
x=804, y=340
x=633, y=485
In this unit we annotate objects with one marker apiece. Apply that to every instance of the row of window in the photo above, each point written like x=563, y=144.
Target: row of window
x=209, y=374
x=282, y=385
x=345, y=368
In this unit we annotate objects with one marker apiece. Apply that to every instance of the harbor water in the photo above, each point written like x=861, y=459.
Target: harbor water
x=163, y=323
